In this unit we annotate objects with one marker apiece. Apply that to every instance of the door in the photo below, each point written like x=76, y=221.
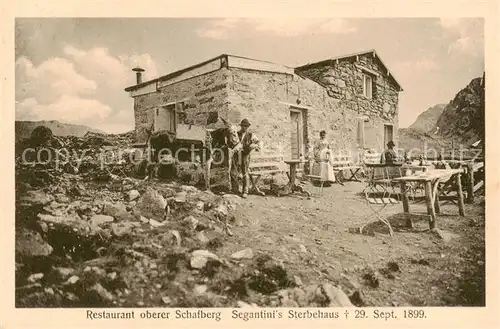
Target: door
x=297, y=131
x=388, y=134
x=164, y=118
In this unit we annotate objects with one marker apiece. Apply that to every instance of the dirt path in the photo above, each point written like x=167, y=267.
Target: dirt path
x=311, y=238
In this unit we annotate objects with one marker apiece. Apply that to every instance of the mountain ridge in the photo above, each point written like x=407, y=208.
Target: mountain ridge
x=23, y=128
x=426, y=120
x=460, y=122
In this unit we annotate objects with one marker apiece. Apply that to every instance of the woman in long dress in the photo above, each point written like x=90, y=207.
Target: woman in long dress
x=322, y=156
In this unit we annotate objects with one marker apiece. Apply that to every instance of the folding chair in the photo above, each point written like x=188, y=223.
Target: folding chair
x=380, y=180
x=445, y=186
x=318, y=178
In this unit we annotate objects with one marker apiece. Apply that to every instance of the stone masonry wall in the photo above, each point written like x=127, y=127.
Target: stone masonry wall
x=344, y=80
x=264, y=98
x=201, y=95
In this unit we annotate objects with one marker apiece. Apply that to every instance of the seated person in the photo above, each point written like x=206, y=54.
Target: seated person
x=389, y=156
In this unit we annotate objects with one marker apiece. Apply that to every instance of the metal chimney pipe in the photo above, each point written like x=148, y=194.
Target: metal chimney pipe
x=138, y=74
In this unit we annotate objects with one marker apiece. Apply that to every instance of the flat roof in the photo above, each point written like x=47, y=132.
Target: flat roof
x=274, y=67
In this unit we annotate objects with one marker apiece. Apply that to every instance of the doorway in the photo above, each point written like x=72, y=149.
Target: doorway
x=164, y=118
x=297, y=132
x=388, y=134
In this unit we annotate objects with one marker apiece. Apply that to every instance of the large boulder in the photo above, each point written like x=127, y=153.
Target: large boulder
x=31, y=244
x=41, y=136
x=151, y=205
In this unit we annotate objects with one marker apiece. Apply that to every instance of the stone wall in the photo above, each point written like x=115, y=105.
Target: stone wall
x=333, y=103
x=201, y=95
x=265, y=99
x=344, y=81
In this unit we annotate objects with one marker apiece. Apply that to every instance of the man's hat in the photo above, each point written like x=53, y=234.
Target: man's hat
x=391, y=143
x=245, y=123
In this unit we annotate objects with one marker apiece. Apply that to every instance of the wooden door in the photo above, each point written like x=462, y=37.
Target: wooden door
x=164, y=117
x=295, y=134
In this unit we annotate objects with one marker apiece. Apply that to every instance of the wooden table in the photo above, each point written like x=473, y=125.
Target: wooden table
x=431, y=180
x=293, y=177
x=417, y=167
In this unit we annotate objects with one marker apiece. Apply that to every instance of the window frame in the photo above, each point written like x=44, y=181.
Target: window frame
x=365, y=93
x=173, y=107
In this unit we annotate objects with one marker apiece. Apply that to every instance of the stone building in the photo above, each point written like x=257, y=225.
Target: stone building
x=353, y=97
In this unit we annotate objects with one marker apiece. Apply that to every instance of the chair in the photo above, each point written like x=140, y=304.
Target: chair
x=318, y=174
x=380, y=180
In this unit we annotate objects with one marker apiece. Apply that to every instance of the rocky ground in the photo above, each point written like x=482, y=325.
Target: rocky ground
x=105, y=237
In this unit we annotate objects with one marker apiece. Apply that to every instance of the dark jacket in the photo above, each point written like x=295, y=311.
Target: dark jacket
x=246, y=142
x=389, y=156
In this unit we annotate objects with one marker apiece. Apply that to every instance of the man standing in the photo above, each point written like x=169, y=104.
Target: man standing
x=241, y=157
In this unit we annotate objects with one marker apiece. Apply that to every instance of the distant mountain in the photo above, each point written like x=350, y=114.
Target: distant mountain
x=463, y=118
x=23, y=129
x=427, y=120
x=410, y=138
x=461, y=121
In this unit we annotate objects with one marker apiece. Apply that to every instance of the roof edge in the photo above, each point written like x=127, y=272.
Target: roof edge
x=359, y=53
x=173, y=74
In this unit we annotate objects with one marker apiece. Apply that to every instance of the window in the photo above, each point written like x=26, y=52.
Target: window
x=367, y=85
x=180, y=114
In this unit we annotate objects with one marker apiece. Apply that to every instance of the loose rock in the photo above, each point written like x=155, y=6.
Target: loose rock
x=444, y=235
x=200, y=289
x=166, y=300
x=30, y=243
x=177, y=237
x=191, y=221
x=303, y=248
x=199, y=258
x=64, y=272
x=152, y=205
x=98, y=220
x=243, y=254
x=114, y=209
x=72, y=280
x=297, y=281
x=35, y=277
x=202, y=237
x=372, y=277
x=133, y=195
x=36, y=197
x=101, y=292
x=357, y=298
x=335, y=295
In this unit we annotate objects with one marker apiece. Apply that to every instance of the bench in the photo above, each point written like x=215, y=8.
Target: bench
x=371, y=158
x=344, y=162
x=260, y=165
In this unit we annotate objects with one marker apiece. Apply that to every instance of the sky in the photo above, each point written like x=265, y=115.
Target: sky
x=75, y=70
